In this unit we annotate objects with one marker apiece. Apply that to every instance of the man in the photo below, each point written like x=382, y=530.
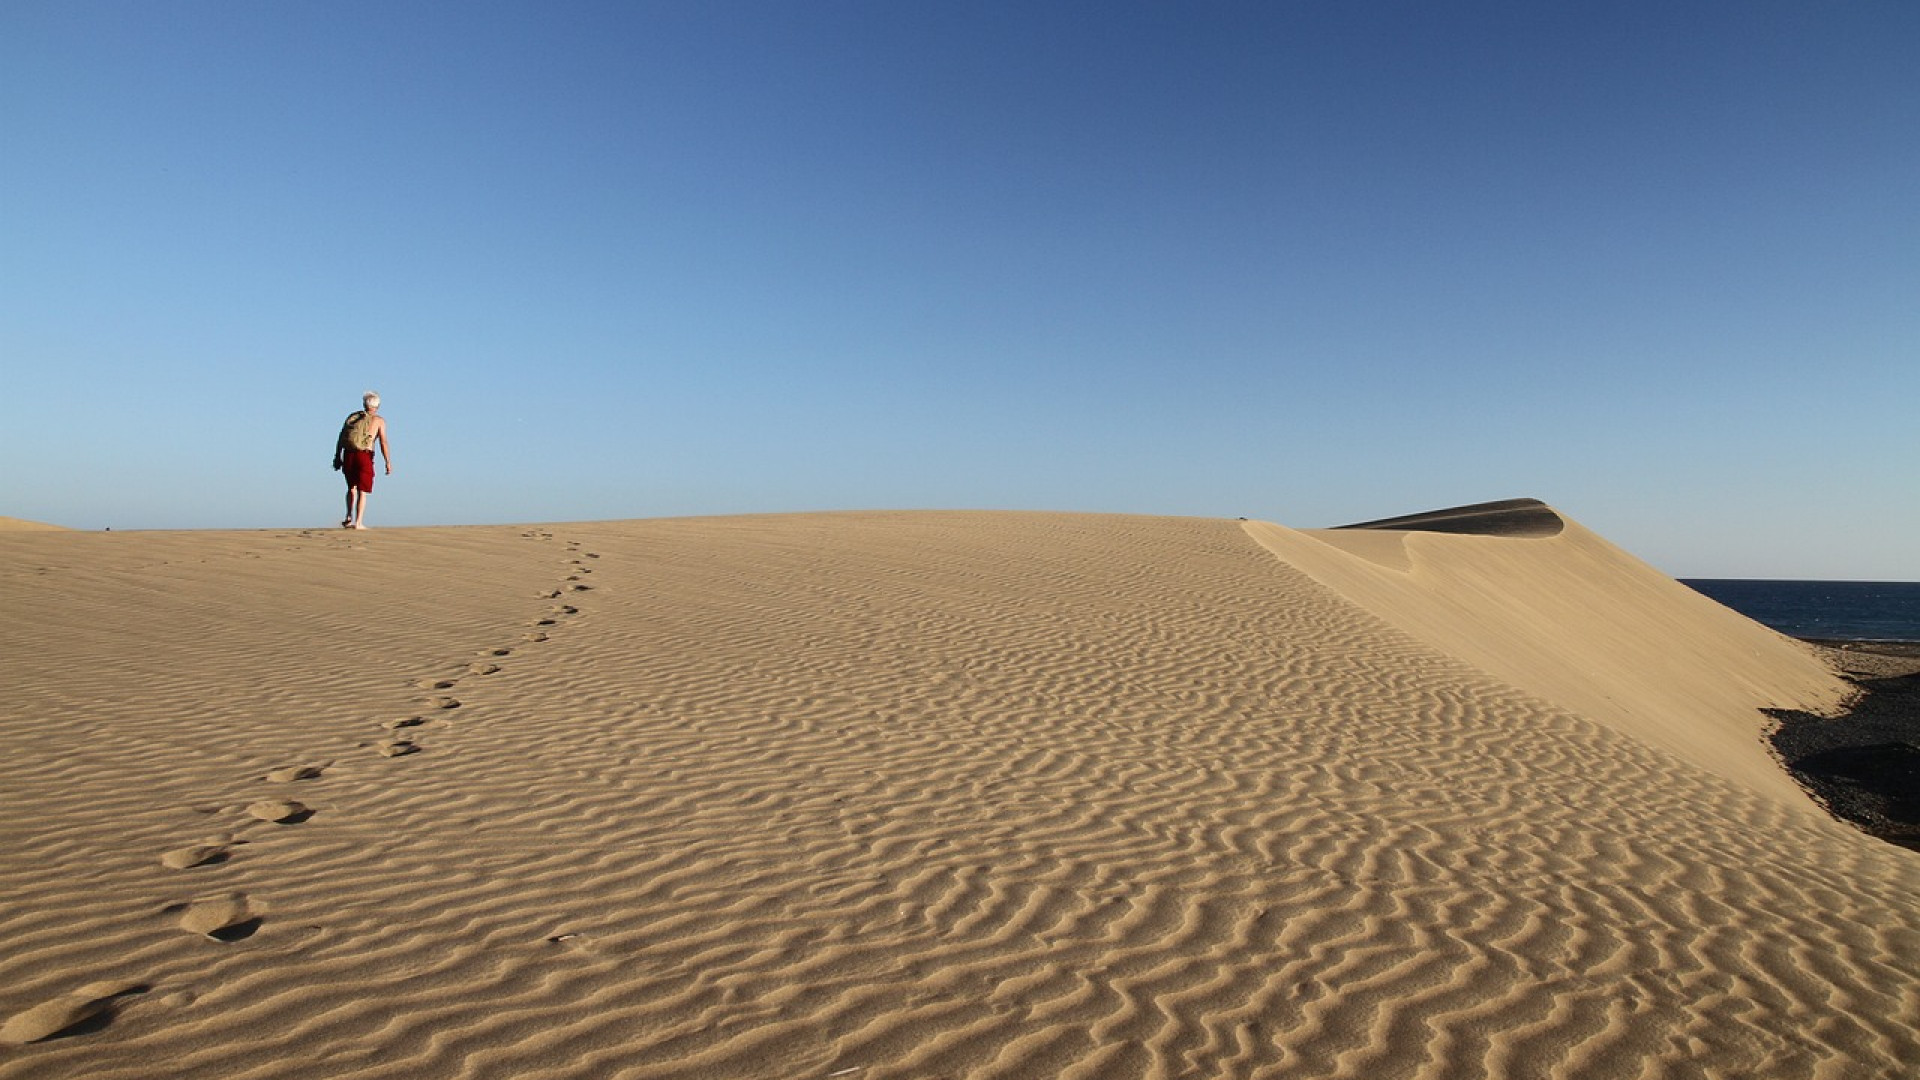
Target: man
x=353, y=455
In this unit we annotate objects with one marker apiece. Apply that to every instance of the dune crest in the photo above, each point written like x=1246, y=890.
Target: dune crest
x=1508, y=517
x=1543, y=604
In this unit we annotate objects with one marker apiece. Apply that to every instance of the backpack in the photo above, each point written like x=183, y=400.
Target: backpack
x=357, y=432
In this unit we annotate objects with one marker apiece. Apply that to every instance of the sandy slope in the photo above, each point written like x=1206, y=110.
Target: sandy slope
x=1583, y=625
x=916, y=795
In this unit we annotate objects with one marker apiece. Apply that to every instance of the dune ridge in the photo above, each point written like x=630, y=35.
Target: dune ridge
x=1506, y=517
x=907, y=795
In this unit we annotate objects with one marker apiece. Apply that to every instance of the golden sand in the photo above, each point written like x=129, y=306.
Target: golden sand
x=901, y=795
x=11, y=524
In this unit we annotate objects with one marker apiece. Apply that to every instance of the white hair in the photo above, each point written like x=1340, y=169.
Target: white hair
x=370, y=399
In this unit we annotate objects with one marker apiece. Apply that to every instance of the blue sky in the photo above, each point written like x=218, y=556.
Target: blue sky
x=1311, y=262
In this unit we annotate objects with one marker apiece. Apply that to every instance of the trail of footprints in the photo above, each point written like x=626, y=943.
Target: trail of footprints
x=231, y=916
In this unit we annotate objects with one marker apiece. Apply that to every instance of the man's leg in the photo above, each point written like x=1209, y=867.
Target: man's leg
x=347, y=522
x=360, y=511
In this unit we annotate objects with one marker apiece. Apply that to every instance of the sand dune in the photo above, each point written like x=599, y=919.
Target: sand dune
x=917, y=795
x=1578, y=622
x=11, y=524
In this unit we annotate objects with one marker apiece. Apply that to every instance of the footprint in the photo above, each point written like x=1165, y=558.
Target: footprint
x=294, y=772
x=411, y=721
x=444, y=702
x=478, y=668
x=582, y=588
x=194, y=855
x=87, y=1009
x=280, y=811
x=547, y=622
x=228, y=917
x=435, y=684
x=399, y=748
x=554, y=595
x=538, y=637
x=566, y=609
x=501, y=652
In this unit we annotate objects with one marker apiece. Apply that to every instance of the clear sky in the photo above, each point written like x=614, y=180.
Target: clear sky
x=1306, y=261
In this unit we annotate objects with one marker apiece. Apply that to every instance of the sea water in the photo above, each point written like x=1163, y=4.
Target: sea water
x=1828, y=610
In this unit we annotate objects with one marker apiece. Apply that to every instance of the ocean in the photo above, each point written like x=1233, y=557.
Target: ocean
x=1828, y=610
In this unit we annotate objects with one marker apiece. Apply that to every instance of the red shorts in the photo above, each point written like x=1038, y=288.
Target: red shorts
x=359, y=469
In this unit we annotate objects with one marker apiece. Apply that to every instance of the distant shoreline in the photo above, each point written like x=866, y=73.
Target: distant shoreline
x=1877, y=648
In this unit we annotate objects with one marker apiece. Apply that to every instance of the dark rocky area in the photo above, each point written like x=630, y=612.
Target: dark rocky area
x=1864, y=766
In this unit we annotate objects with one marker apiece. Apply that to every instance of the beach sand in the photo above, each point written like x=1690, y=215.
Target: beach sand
x=915, y=795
